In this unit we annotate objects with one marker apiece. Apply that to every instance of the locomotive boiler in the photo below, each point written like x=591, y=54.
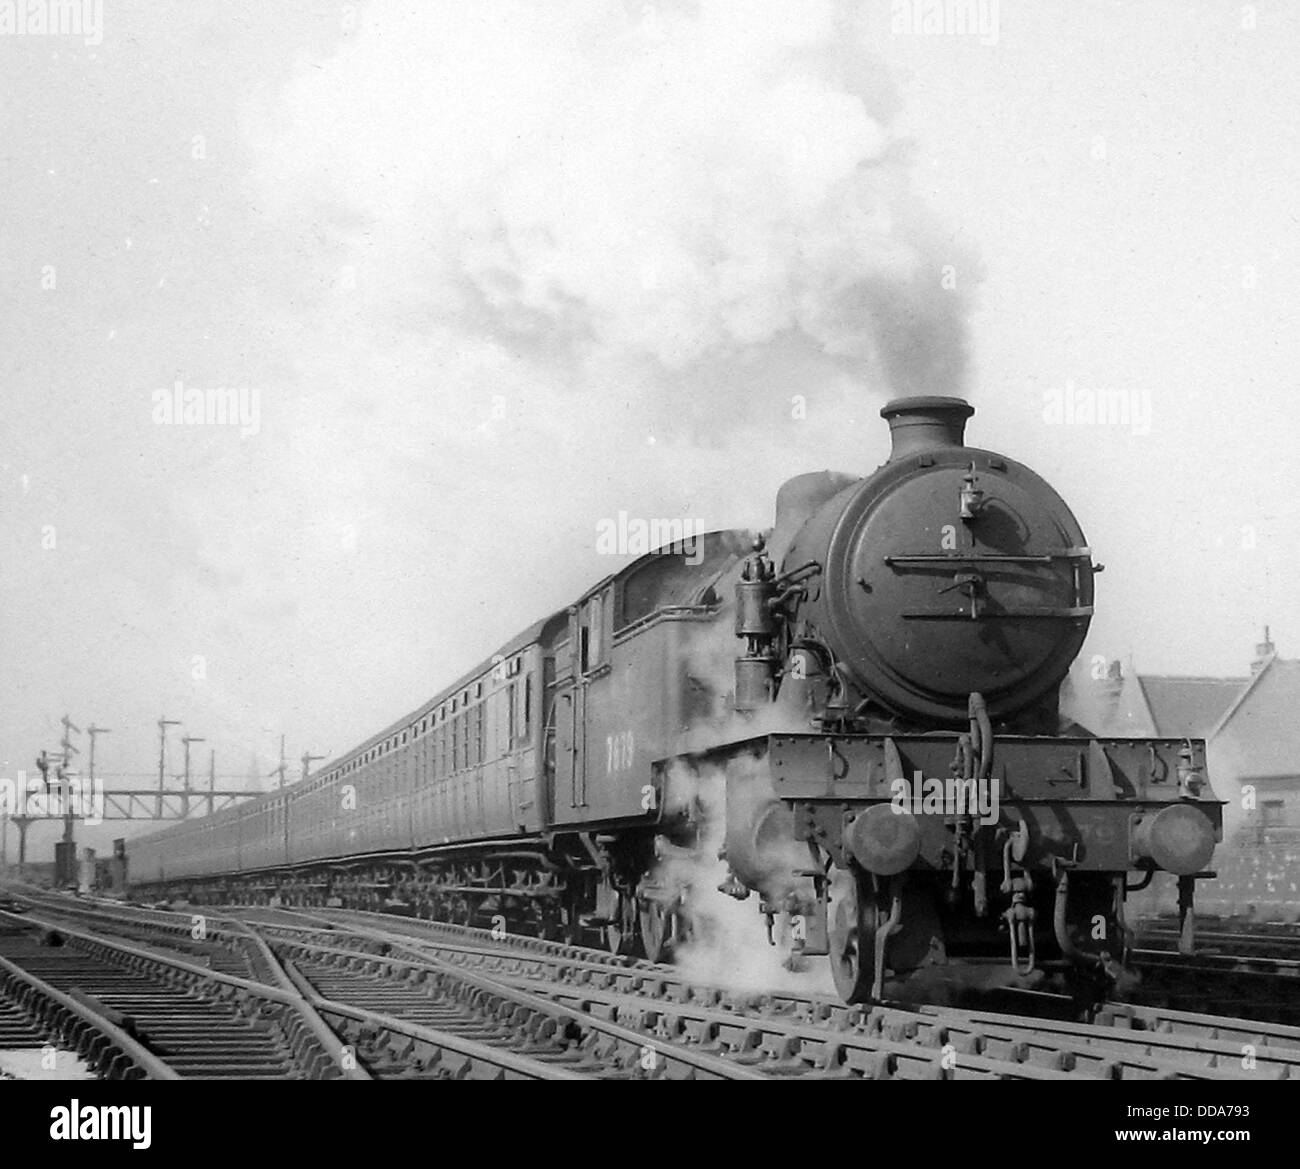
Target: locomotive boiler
x=873, y=683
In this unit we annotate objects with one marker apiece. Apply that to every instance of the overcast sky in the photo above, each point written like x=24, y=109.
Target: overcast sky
x=491, y=273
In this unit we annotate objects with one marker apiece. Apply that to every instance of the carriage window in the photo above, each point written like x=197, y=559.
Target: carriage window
x=510, y=715
x=528, y=704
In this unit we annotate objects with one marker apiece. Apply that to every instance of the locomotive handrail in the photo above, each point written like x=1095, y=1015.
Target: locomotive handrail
x=622, y=633
x=989, y=557
x=999, y=614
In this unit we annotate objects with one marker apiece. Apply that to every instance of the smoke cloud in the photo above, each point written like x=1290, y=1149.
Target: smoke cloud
x=646, y=198
x=503, y=270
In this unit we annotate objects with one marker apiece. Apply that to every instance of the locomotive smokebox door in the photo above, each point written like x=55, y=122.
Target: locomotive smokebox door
x=950, y=570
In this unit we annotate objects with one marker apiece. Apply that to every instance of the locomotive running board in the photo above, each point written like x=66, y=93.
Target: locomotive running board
x=1065, y=789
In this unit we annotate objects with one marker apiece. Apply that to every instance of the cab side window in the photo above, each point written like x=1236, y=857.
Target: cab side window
x=591, y=635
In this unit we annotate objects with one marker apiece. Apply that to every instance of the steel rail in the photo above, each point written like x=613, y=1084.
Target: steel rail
x=656, y=1052
x=109, y=1050
x=771, y=1047
x=468, y=1058
x=1120, y=1045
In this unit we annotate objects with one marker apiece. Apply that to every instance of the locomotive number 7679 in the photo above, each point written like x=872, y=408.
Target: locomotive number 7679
x=618, y=751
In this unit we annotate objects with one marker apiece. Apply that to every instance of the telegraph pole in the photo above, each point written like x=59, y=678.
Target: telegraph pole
x=69, y=873
x=68, y=749
x=64, y=788
x=88, y=791
x=284, y=763
x=43, y=762
x=307, y=760
x=185, y=799
x=163, y=724
x=23, y=822
x=212, y=782
x=92, y=731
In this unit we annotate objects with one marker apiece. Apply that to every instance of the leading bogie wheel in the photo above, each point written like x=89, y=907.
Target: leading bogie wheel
x=853, y=937
x=656, y=928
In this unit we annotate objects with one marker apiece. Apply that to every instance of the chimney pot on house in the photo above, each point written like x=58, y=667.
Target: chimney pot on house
x=1264, y=650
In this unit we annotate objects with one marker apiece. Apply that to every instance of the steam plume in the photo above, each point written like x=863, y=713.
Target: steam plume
x=727, y=943
x=635, y=196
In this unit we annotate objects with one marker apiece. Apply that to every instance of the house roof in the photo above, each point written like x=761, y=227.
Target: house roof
x=1189, y=707
x=1262, y=721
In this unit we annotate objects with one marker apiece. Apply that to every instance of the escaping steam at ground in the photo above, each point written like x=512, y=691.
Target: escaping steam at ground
x=727, y=944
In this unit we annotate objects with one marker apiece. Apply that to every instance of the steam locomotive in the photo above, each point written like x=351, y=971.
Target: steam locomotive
x=897, y=784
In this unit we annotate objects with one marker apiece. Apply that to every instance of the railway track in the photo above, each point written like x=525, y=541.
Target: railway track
x=1246, y=969
x=457, y=1026
x=182, y=1021
x=784, y=1034
x=570, y=1012
x=325, y=1039
x=558, y=964
x=341, y=1032
x=38, y=1016
x=1148, y=1040
x=1229, y=939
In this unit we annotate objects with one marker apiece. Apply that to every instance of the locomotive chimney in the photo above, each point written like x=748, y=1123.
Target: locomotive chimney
x=918, y=424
